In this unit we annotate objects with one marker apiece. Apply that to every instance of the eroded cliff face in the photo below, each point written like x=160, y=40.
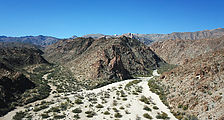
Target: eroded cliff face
x=104, y=59
x=196, y=87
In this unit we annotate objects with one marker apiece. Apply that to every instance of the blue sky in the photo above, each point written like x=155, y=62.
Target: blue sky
x=65, y=18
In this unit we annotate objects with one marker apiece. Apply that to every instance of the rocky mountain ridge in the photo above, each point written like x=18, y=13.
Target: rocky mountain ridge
x=97, y=60
x=179, y=51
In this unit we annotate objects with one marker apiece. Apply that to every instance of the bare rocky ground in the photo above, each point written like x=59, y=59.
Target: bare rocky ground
x=126, y=100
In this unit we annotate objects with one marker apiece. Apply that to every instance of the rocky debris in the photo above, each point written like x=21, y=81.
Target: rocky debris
x=179, y=51
x=197, y=86
x=104, y=58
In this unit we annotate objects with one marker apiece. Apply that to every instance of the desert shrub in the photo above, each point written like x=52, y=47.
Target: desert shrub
x=77, y=110
x=99, y=106
x=54, y=109
x=155, y=107
x=78, y=101
x=139, y=89
x=19, y=115
x=36, y=109
x=114, y=103
x=115, y=109
x=127, y=86
x=59, y=116
x=147, y=108
x=45, y=115
x=122, y=108
x=185, y=107
x=64, y=106
x=117, y=115
x=124, y=99
x=180, y=106
x=146, y=115
x=90, y=114
x=77, y=116
x=144, y=99
x=162, y=116
x=106, y=113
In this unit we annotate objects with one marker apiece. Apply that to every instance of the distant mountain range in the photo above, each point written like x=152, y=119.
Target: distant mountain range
x=36, y=40
x=149, y=38
x=145, y=38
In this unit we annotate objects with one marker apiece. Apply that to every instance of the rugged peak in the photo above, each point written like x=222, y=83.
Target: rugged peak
x=104, y=58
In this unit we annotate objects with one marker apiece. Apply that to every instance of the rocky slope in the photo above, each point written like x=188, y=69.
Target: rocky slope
x=179, y=51
x=197, y=86
x=13, y=83
x=36, y=40
x=150, y=38
x=97, y=60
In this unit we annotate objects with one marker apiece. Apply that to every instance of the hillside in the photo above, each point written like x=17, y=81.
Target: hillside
x=94, y=61
x=179, y=51
x=13, y=81
x=197, y=86
x=36, y=40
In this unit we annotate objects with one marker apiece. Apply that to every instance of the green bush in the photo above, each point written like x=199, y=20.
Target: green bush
x=147, y=108
x=162, y=116
x=144, y=99
x=19, y=115
x=78, y=101
x=45, y=115
x=99, y=106
x=55, y=109
x=77, y=116
x=36, y=109
x=117, y=115
x=77, y=110
x=127, y=86
x=64, y=106
x=90, y=114
x=146, y=115
x=59, y=116
x=106, y=113
x=155, y=107
x=185, y=107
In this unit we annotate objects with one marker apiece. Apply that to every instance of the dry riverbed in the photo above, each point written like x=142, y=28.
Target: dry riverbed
x=125, y=100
